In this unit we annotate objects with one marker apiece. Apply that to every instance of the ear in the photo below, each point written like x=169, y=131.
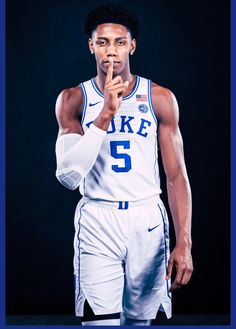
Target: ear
x=90, y=44
x=132, y=46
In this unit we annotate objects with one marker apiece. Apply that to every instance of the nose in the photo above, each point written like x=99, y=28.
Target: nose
x=111, y=50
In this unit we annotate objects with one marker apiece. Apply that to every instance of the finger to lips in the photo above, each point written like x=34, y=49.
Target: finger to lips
x=109, y=70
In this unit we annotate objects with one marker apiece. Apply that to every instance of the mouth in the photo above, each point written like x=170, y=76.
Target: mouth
x=115, y=63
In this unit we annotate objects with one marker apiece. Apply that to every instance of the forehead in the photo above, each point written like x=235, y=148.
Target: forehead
x=110, y=30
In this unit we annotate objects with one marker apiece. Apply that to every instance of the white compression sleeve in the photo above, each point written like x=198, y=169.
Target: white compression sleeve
x=77, y=154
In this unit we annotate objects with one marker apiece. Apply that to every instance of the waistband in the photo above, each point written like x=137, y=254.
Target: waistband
x=123, y=205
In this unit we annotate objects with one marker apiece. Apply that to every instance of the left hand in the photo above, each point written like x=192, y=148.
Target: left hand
x=182, y=260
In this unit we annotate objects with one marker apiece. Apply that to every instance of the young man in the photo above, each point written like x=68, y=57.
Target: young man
x=107, y=145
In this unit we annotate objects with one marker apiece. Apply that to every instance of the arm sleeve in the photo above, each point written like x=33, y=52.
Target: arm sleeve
x=76, y=155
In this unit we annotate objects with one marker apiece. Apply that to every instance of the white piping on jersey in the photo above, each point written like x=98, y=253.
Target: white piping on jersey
x=85, y=101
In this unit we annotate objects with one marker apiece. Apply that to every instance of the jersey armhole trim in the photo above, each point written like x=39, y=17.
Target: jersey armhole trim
x=84, y=102
x=150, y=101
x=94, y=85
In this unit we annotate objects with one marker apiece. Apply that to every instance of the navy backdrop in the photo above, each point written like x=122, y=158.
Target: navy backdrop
x=183, y=45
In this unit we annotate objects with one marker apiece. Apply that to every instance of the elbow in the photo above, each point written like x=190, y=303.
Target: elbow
x=68, y=186
x=70, y=179
x=172, y=180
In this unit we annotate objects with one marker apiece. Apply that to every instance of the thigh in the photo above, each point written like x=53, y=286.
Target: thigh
x=102, y=283
x=146, y=287
x=98, y=265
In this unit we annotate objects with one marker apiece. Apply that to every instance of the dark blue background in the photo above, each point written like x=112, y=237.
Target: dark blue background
x=183, y=45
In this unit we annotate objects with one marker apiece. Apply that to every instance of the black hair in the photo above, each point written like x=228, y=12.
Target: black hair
x=111, y=13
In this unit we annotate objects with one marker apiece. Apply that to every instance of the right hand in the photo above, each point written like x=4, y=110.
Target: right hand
x=113, y=90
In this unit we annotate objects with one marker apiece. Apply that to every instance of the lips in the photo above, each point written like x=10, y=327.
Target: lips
x=114, y=62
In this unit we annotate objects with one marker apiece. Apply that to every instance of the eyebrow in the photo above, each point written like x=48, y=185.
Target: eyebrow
x=119, y=38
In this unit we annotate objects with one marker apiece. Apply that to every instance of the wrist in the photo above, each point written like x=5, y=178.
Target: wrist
x=103, y=120
x=184, y=241
x=106, y=114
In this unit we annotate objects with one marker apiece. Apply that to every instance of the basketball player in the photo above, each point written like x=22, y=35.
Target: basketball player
x=110, y=128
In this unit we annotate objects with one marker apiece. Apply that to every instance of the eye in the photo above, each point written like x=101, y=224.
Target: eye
x=101, y=42
x=121, y=43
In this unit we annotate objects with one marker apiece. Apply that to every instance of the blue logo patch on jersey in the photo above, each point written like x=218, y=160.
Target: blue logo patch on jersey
x=143, y=108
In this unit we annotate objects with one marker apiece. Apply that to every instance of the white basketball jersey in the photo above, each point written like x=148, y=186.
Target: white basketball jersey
x=126, y=168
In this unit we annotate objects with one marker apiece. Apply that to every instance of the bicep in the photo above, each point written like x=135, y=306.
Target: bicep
x=169, y=135
x=171, y=146
x=67, y=112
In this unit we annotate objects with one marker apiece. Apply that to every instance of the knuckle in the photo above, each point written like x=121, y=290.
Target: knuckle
x=181, y=268
x=175, y=286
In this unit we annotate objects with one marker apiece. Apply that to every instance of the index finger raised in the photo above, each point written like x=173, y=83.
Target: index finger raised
x=109, y=70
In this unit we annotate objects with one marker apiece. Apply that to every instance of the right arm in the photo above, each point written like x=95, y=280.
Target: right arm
x=77, y=152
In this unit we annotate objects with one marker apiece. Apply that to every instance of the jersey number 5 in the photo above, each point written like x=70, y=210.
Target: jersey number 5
x=118, y=155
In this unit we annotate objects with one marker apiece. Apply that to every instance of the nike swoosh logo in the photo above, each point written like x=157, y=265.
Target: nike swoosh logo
x=153, y=228
x=92, y=104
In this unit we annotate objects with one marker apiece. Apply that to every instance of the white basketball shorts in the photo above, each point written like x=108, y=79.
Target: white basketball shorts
x=121, y=250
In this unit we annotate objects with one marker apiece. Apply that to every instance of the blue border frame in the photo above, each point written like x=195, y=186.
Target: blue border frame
x=2, y=158
x=233, y=162
x=2, y=174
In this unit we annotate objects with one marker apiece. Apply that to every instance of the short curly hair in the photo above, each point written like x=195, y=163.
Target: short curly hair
x=111, y=13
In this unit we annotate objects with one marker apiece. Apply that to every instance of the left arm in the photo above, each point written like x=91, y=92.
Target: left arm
x=178, y=187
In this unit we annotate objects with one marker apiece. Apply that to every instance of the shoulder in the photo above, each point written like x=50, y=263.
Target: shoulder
x=70, y=99
x=164, y=103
